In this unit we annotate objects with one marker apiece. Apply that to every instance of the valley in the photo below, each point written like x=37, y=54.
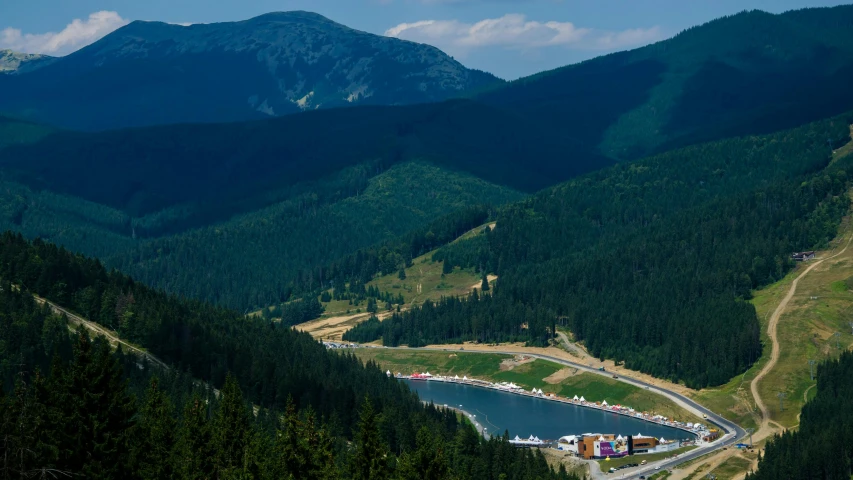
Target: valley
x=194, y=211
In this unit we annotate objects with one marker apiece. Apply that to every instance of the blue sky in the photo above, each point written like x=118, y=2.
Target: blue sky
x=510, y=38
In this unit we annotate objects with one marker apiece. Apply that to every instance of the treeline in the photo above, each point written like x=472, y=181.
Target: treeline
x=81, y=416
x=649, y=262
x=822, y=447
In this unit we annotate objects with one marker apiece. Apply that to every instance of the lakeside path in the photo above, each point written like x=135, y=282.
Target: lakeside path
x=733, y=432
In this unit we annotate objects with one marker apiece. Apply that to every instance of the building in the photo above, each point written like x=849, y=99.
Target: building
x=802, y=256
x=641, y=444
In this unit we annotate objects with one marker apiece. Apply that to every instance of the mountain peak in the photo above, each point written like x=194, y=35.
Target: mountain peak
x=269, y=65
x=16, y=62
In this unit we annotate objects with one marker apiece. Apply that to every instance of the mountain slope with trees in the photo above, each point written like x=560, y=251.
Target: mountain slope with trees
x=270, y=65
x=749, y=73
x=649, y=262
x=100, y=414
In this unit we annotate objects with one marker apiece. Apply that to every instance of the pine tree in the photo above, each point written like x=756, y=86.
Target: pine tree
x=155, y=435
x=230, y=433
x=369, y=461
x=193, y=452
x=427, y=462
x=484, y=286
x=95, y=412
x=401, y=274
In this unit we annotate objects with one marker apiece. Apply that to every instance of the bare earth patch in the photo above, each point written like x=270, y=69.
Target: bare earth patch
x=560, y=375
x=510, y=363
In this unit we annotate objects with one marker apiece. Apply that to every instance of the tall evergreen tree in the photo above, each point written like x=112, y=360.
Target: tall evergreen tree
x=193, y=453
x=155, y=435
x=231, y=426
x=95, y=412
x=369, y=461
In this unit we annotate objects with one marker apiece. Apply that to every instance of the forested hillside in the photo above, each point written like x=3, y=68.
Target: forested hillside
x=821, y=447
x=649, y=262
x=749, y=73
x=167, y=179
x=79, y=416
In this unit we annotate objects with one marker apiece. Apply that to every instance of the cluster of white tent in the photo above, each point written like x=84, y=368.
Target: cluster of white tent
x=530, y=442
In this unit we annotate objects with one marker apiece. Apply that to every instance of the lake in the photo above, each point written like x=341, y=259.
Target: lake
x=525, y=416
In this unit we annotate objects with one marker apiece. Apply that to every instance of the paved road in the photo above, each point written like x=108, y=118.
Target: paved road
x=733, y=432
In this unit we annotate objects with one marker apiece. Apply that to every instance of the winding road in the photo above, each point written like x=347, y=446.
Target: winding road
x=765, y=429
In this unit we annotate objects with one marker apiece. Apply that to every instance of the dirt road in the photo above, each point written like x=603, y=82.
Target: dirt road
x=99, y=330
x=765, y=429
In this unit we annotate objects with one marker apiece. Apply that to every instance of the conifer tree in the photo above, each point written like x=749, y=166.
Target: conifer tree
x=369, y=461
x=230, y=433
x=484, y=286
x=95, y=412
x=193, y=453
x=428, y=462
x=155, y=435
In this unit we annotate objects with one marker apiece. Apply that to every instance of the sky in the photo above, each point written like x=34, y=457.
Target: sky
x=509, y=38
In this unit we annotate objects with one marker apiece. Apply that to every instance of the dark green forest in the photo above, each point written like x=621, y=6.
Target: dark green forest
x=69, y=405
x=648, y=262
x=259, y=258
x=749, y=73
x=822, y=446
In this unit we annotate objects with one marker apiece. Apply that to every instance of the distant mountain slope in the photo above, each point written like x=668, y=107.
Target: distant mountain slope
x=14, y=62
x=150, y=73
x=753, y=72
x=170, y=178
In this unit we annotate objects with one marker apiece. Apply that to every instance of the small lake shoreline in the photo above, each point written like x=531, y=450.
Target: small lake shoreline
x=507, y=388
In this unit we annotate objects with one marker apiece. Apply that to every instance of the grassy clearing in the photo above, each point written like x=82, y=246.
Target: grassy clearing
x=528, y=375
x=822, y=306
x=651, y=457
x=731, y=468
x=804, y=332
x=424, y=281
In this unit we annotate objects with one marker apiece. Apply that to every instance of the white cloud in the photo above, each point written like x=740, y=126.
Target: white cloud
x=515, y=31
x=75, y=35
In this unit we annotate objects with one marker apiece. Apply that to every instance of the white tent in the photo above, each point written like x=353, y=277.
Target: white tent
x=536, y=439
x=662, y=440
x=620, y=438
x=583, y=399
x=576, y=398
x=388, y=373
x=464, y=378
x=531, y=438
x=517, y=438
x=604, y=402
x=601, y=438
x=427, y=374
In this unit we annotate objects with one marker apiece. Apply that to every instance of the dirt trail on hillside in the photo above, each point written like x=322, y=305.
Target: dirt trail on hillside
x=765, y=429
x=99, y=330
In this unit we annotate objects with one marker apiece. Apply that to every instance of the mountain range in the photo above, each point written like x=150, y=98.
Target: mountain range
x=148, y=73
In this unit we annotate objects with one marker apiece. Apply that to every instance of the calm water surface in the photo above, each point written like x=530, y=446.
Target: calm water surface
x=524, y=416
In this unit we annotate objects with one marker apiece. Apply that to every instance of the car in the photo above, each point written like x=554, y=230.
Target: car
x=657, y=467
x=643, y=462
x=642, y=477
x=615, y=376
